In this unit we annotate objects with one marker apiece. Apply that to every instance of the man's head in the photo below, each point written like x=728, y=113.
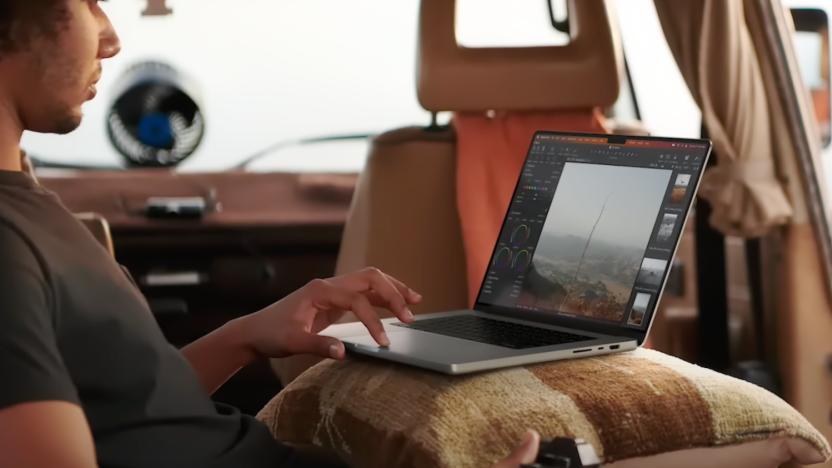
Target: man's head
x=50, y=60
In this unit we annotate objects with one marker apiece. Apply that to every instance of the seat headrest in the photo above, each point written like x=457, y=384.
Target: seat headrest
x=584, y=73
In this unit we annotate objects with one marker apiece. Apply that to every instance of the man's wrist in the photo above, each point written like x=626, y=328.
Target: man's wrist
x=220, y=354
x=238, y=340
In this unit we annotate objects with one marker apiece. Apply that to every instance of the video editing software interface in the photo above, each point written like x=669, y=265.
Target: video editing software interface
x=592, y=227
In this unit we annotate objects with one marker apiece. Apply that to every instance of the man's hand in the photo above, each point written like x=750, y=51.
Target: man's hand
x=526, y=452
x=291, y=325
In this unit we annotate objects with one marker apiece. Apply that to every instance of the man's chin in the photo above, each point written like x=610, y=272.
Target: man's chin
x=68, y=124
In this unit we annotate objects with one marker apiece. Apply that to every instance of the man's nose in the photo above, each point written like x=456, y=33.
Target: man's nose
x=110, y=44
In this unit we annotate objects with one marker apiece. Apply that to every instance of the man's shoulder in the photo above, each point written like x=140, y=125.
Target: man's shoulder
x=14, y=242
x=20, y=260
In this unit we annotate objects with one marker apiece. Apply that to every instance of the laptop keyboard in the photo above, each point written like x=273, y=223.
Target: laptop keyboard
x=494, y=332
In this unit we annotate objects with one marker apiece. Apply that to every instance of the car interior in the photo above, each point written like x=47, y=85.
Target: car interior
x=737, y=368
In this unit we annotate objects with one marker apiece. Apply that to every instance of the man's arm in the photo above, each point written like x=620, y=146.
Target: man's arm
x=41, y=422
x=291, y=326
x=219, y=355
x=49, y=433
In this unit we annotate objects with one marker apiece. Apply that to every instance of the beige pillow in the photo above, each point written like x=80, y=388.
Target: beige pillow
x=378, y=414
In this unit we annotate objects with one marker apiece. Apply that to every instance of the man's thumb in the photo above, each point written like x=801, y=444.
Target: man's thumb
x=526, y=452
x=325, y=346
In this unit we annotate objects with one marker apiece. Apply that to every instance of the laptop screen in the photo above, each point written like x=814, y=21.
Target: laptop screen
x=593, y=226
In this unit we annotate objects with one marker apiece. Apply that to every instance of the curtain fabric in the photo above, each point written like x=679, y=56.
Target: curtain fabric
x=716, y=55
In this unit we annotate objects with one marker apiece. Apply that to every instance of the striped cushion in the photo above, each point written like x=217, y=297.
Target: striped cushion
x=377, y=414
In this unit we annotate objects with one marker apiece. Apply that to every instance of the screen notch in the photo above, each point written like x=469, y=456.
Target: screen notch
x=617, y=139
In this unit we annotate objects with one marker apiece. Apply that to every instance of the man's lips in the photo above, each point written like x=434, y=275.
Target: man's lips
x=91, y=91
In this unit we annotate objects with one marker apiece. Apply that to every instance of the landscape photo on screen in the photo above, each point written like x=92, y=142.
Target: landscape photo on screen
x=639, y=309
x=593, y=241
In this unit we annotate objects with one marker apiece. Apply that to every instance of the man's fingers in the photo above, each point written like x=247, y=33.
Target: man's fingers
x=524, y=453
x=376, y=285
x=381, y=285
x=323, y=346
x=527, y=451
x=410, y=295
x=367, y=315
x=356, y=281
x=335, y=297
x=326, y=346
x=376, y=299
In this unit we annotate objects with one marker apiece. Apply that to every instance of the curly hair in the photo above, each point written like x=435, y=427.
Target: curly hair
x=21, y=21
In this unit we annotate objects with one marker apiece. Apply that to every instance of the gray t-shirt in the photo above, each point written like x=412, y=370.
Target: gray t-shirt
x=74, y=328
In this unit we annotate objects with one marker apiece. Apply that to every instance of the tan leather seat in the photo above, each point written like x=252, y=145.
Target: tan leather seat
x=404, y=216
x=99, y=228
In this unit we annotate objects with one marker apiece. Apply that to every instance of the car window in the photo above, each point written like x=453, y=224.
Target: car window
x=518, y=23
x=665, y=104
x=811, y=41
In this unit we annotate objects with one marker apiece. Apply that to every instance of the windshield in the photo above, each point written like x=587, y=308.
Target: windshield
x=302, y=85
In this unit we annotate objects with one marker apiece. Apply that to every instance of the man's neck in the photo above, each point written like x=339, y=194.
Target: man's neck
x=11, y=131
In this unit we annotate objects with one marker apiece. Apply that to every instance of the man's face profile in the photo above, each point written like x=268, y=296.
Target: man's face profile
x=54, y=62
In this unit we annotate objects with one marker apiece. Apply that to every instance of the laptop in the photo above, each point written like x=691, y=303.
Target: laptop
x=580, y=263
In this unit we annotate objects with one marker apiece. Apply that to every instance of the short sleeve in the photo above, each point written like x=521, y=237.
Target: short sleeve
x=31, y=367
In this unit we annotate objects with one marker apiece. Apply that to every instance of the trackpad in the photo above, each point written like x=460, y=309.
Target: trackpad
x=428, y=346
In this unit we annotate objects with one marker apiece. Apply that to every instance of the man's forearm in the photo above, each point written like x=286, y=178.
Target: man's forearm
x=219, y=355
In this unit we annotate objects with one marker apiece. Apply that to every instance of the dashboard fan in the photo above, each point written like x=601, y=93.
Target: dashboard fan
x=155, y=119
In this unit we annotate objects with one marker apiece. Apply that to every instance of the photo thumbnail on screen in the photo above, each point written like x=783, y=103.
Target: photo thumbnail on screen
x=593, y=241
x=680, y=188
x=639, y=309
x=652, y=272
x=666, y=227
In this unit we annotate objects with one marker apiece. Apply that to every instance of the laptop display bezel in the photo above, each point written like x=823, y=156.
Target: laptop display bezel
x=579, y=323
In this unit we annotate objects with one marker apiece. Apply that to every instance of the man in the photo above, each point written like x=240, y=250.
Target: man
x=86, y=377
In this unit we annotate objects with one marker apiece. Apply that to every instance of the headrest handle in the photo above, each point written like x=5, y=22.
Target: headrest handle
x=585, y=73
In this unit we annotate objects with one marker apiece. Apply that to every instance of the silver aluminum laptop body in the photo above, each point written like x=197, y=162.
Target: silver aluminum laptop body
x=585, y=248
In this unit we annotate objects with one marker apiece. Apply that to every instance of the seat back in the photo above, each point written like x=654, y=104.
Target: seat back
x=405, y=217
x=99, y=228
